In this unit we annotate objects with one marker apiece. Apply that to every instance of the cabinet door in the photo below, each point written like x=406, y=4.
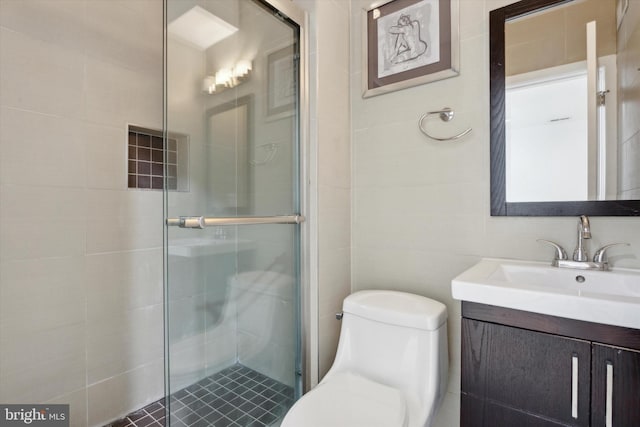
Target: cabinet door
x=615, y=387
x=536, y=374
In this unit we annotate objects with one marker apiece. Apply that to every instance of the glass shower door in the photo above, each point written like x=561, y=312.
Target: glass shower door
x=232, y=203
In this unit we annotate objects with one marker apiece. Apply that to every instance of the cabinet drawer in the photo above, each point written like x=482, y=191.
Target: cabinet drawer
x=544, y=375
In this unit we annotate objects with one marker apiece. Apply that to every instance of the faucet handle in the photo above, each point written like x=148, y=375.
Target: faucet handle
x=601, y=254
x=561, y=254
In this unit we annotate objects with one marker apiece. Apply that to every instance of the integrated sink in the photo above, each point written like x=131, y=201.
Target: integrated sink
x=204, y=246
x=609, y=297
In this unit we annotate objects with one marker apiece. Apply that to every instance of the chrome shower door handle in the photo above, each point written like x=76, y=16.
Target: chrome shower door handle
x=201, y=222
x=191, y=222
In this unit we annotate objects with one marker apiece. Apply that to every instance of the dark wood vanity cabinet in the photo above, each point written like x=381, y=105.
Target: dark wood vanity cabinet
x=624, y=365
x=523, y=369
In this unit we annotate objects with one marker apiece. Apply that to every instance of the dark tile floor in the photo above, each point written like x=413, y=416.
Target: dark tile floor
x=236, y=396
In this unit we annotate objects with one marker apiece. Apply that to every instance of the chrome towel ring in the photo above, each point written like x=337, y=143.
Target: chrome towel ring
x=446, y=115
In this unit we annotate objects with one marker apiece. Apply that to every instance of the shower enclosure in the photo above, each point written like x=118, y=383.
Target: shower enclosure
x=232, y=211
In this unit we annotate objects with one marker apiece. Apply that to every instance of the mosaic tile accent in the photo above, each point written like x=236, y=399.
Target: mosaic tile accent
x=236, y=396
x=145, y=164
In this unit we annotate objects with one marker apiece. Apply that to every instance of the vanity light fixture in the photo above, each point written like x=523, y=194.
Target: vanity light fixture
x=227, y=77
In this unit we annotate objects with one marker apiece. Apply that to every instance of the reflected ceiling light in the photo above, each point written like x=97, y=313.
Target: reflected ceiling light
x=200, y=28
x=227, y=77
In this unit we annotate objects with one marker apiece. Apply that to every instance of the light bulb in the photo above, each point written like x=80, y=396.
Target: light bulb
x=242, y=68
x=224, y=77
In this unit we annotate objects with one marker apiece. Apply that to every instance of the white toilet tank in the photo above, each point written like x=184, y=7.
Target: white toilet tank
x=399, y=340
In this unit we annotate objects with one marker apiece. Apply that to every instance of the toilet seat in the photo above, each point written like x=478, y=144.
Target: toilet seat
x=348, y=400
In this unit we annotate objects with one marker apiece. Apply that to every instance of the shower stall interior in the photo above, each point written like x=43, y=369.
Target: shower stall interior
x=232, y=204
x=150, y=201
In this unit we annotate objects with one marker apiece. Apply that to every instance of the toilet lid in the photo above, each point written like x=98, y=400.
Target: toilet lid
x=349, y=400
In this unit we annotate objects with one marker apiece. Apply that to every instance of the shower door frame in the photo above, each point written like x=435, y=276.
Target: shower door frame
x=308, y=205
x=308, y=262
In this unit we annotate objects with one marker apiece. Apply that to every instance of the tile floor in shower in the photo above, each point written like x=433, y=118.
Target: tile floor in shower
x=236, y=396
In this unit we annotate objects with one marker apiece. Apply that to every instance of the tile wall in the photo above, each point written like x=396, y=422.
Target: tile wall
x=421, y=208
x=80, y=255
x=331, y=164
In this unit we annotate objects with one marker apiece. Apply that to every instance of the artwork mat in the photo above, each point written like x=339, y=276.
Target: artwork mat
x=432, y=50
x=452, y=71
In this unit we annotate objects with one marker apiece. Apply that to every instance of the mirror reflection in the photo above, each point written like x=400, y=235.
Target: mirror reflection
x=228, y=141
x=572, y=103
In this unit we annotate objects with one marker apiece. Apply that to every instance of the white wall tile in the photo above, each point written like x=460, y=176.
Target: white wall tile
x=33, y=202
x=330, y=136
x=123, y=281
x=117, y=396
x=329, y=332
x=69, y=86
x=336, y=277
x=334, y=212
x=117, y=95
x=187, y=318
x=188, y=361
x=58, y=22
x=77, y=401
x=38, y=149
x=114, y=35
x=42, y=238
x=42, y=294
x=221, y=348
x=123, y=340
x=40, y=76
x=123, y=220
x=473, y=21
x=106, y=157
x=38, y=365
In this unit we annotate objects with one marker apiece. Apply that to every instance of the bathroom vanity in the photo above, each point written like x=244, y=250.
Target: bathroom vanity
x=527, y=369
x=544, y=346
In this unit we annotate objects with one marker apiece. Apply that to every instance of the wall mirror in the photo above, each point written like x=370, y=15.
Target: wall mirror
x=565, y=108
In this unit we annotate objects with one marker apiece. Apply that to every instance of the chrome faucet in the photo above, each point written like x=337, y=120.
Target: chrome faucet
x=581, y=255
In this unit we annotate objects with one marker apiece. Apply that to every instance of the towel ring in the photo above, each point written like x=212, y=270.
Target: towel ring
x=446, y=115
x=270, y=149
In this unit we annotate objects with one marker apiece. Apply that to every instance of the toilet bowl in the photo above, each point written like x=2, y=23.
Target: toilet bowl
x=391, y=366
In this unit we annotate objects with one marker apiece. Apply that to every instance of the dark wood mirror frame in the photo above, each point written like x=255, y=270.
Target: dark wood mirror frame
x=499, y=204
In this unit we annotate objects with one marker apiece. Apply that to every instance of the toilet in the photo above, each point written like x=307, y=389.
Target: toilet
x=390, y=369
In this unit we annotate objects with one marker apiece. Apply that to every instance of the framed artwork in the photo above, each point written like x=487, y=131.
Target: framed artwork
x=281, y=82
x=408, y=43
